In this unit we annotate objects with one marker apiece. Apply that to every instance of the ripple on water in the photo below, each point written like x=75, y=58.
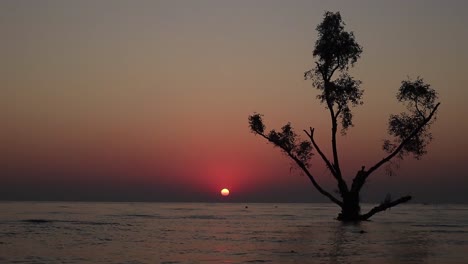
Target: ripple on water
x=172, y=233
x=76, y=222
x=143, y=216
x=203, y=217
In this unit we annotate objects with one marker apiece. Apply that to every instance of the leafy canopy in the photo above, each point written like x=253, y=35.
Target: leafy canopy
x=336, y=50
x=419, y=99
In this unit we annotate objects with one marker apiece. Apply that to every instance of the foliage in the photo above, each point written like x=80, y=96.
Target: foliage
x=335, y=47
x=419, y=99
x=336, y=50
x=287, y=139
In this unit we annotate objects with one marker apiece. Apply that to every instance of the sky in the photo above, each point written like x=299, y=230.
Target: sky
x=148, y=100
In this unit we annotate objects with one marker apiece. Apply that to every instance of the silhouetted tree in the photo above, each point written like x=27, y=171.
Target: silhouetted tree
x=336, y=50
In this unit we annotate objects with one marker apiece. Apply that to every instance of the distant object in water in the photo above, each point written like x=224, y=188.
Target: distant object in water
x=37, y=221
x=246, y=207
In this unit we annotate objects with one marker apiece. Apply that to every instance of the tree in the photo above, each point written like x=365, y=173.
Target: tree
x=336, y=50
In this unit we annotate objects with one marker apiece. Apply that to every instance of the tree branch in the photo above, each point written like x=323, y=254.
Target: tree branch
x=322, y=155
x=359, y=180
x=336, y=165
x=402, y=144
x=307, y=172
x=341, y=183
x=320, y=69
x=338, y=112
x=342, y=186
x=312, y=179
x=417, y=108
x=384, y=206
x=333, y=71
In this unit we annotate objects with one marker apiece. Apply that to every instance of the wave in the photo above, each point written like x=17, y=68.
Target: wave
x=203, y=217
x=439, y=225
x=51, y=221
x=143, y=215
x=183, y=209
x=449, y=231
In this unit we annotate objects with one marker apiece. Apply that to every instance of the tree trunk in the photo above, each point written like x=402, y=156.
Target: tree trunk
x=350, y=210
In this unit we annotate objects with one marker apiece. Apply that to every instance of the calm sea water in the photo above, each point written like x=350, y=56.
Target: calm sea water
x=227, y=233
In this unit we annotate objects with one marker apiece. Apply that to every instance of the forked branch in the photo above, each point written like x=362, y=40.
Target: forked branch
x=333, y=169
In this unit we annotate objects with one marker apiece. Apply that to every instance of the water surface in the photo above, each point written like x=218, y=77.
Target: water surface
x=52, y=232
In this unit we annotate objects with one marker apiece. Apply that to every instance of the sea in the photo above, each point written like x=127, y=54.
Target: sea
x=131, y=233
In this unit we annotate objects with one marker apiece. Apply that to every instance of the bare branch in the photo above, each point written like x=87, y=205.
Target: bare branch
x=336, y=164
x=307, y=172
x=322, y=155
x=334, y=129
x=384, y=206
x=312, y=179
x=338, y=112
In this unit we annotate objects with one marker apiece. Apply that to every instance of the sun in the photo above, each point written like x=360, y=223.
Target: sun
x=225, y=192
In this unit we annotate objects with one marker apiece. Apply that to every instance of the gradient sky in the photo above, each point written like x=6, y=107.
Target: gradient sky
x=148, y=100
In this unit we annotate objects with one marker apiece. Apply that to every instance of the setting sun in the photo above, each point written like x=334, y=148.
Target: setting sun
x=224, y=192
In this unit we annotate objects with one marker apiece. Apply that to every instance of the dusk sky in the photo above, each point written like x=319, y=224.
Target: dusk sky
x=148, y=100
